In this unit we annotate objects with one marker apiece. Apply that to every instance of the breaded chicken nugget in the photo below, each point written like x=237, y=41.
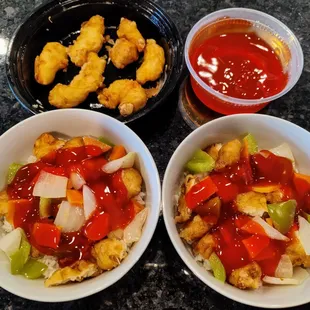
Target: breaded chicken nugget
x=228, y=154
x=46, y=144
x=123, y=53
x=88, y=80
x=153, y=63
x=251, y=203
x=109, y=253
x=195, y=229
x=90, y=39
x=247, y=277
x=128, y=29
x=132, y=180
x=52, y=59
x=76, y=273
x=128, y=94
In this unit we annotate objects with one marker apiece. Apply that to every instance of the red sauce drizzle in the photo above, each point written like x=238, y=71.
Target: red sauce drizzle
x=110, y=192
x=262, y=168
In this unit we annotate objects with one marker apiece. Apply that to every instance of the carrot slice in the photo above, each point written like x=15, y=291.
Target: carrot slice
x=75, y=197
x=118, y=151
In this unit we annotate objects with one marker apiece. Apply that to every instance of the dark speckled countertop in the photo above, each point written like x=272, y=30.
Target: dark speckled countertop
x=160, y=280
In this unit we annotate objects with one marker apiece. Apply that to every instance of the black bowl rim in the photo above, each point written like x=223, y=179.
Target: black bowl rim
x=174, y=79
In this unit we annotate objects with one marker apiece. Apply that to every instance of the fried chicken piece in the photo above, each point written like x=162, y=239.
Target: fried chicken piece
x=205, y=246
x=153, y=62
x=195, y=229
x=75, y=273
x=128, y=29
x=123, y=53
x=46, y=144
x=109, y=253
x=128, y=95
x=88, y=80
x=132, y=180
x=184, y=212
x=52, y=59
x=251, y=203
x=74, y=142
x=229, y=154
x=90, y=39
x=275, y=196
x=296, y=253
x=247, y=277
x=214, y=150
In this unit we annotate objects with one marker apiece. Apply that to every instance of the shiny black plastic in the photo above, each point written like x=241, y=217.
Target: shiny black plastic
x=60, y=21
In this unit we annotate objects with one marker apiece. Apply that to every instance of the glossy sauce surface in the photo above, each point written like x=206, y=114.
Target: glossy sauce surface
x=263, y=168
x=109, y=189
x=240, y=65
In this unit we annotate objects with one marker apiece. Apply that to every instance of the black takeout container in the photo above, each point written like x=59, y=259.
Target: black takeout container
x=61, y=21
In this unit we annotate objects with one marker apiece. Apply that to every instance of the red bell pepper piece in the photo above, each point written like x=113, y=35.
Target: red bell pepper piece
x=47, y=235
x=227, y=232
x=20, y=211
x=241, y=220
x=98, y=227
x=252, y=227
x=92, y=168
x=226, y=189
x=268, y=253
x=200, y=192
x=255, y=245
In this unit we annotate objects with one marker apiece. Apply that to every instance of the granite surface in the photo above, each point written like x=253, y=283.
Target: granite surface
x=160, y=280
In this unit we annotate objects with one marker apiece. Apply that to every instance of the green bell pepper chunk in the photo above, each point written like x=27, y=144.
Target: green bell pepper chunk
x=45, y=207
x=13, y=168
x=106, y=141
x=33, y=269
x=200, y=162
x=20, y=257
x=251, y=143
x=217, y=267
x=282, y=215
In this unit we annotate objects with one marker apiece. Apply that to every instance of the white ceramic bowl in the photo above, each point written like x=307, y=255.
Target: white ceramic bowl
x=16, y=145
x=270, y=132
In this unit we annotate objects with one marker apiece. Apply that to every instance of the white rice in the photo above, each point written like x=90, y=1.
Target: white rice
x=51, y=263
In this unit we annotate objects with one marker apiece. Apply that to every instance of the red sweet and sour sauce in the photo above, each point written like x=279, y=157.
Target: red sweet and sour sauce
x=230, y=57
x=263, y=169
x=240, y=65
x=109, y=189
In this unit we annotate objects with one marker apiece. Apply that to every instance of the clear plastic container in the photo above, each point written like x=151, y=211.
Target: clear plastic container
x=274, y=32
